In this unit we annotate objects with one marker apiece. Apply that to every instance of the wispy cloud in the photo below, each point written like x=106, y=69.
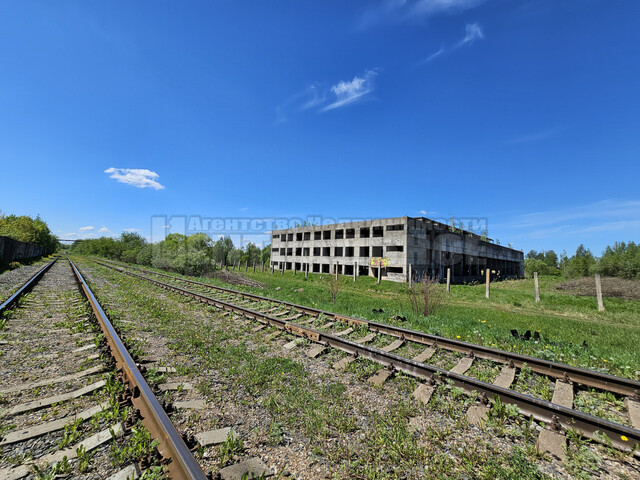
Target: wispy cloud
x=322, y=99
x=398, y=11
x=310, y=97
x=137, y=177
x=103, y=230
x=538, y=136
x=131, y=230
x=577, y=222
x=86, y=229
x=350, y=92
x=473, y=32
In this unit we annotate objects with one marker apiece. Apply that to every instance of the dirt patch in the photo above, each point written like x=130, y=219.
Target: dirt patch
x=611, y=287
x=236, y=279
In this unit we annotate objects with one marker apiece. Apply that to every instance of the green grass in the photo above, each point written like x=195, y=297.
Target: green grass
x=572, y=329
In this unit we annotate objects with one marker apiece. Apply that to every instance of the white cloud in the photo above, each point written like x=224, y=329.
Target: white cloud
x=538, y=136
x=317, y=96
x=473, y=32
x=103, y=230
x=423, y=212
x=349, y=92
x=131, y=230
x=398, y=11
x=138, y=177
x=86, y=229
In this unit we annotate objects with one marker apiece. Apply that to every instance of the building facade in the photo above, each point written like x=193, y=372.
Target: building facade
x=399, y=247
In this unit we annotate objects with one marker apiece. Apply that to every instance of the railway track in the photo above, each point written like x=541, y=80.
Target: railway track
x=68, y=384
x=328, y=329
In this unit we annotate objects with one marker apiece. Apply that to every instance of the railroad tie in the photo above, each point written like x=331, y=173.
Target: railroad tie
x=344, y=332
x=259, y=327
x=423, y=392
x=273, y=335
x=633, y=409
x=552, y=440
x=316, y=351
x=366, y=338
x=326, y=326
x=393, y=346
x=380, y=377
x=477, y=414
x=344, y=362
x=463, y=365
x=251, y=468
x=425, y=355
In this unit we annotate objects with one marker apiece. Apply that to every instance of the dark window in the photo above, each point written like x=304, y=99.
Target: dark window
x=326, y=235
x=364, y=251
x=326, y=251
x=364, y=232
x=395, y=248
x=337, y=251
x=275, y=250
x=305, y=252
x=290, y=237
x=395, y=270
x=299, y=236
x=395, y=227
x=348, y=252
x=317, y=235
x=339, y=234
x=307, y=235
x=283, y=251
x=351, y=233
x=378, y=231
x=289, y=251
x=376, y=251
x=316, y=251
x=298, y=252
x=276, y=237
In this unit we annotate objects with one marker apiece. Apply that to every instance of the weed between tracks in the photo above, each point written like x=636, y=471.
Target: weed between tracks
x=345, y=426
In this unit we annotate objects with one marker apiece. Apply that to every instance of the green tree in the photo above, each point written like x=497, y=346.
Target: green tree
x=30, y=230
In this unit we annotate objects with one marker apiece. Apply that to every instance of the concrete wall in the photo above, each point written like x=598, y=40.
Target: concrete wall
x=430, y=247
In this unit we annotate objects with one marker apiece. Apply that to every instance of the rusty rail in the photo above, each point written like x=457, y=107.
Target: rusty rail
x=582, y=376
x=182, y=465
x=621, y=436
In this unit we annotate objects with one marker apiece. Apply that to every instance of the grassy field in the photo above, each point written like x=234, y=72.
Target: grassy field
x=571, y=328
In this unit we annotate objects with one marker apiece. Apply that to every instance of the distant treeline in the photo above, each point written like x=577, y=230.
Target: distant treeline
x=195, y=254
x=622, y=260
x=29, y=230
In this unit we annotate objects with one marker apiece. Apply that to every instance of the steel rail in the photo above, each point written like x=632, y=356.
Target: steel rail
x=583, y=376
x=621, y=436
x=182, y=465
x=29, y=284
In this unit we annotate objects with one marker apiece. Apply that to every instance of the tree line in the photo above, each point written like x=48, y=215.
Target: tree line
x=30, y=230
x=620, y=260
x=194, y=254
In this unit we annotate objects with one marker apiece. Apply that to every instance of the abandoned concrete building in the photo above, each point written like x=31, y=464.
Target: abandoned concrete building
x=399, y=246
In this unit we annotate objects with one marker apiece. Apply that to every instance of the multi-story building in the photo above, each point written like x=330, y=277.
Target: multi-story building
x=397, y=246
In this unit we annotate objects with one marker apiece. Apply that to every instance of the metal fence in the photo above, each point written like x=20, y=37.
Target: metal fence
x=11, y=250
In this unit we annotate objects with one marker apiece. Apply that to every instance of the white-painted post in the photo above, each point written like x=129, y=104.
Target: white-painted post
x=410, y=276
x=599, y=293
x=355, y=271
x=488, y=275
x=284, y=265
x=294, y=269
x=306, y=271
x=336, y=269
x=536, y=286
x=448, y=279
x=379, y=273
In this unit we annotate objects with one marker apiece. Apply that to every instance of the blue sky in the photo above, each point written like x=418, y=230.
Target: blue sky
x=523, y=113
